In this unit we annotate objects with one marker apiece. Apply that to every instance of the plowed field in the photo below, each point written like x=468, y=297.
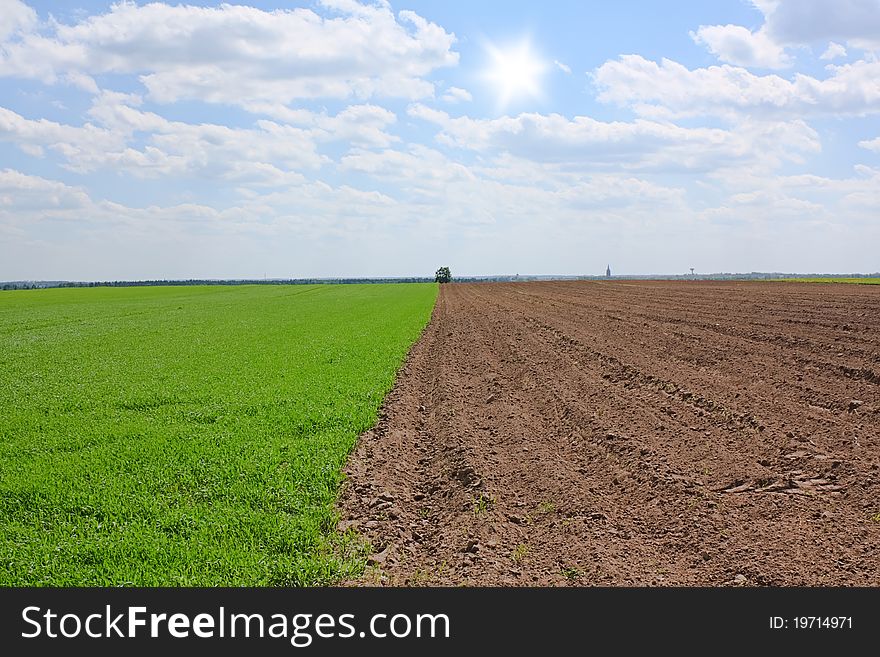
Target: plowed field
x=629, y=433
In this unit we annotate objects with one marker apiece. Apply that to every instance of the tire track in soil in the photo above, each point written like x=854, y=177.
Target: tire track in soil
x=557, y=434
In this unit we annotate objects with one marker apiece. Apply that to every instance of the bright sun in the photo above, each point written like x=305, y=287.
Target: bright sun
x=515, y=71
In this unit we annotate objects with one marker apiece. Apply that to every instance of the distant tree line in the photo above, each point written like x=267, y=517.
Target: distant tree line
x=442, y=275
x=34, y=285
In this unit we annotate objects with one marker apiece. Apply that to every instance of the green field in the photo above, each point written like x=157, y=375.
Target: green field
x=189, y=435
x=857, y=281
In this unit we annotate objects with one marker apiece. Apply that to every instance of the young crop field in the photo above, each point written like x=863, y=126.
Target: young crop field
x=189, y=435
x=856, y=281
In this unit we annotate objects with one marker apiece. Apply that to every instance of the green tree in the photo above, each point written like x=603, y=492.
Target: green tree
x=443, y=275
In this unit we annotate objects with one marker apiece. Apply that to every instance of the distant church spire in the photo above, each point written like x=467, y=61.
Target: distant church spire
x=608, y=272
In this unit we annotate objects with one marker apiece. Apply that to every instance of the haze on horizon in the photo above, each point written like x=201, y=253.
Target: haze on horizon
x=334, y=138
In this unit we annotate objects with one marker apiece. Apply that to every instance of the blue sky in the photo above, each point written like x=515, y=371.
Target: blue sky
x=338, y=138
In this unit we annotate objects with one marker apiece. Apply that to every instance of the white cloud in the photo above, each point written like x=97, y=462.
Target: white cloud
x=457, y=95
x=791, y=23
x=810, y=21
x=847, y=201
x=418, y=164
x=510, y=192
x=837, y=203
x=15, y=17
x=267, y=153
x=237, y=54
x=263, y=153
x=31, y=199
x=670, y=90
x=778, y=204
x=735, y=44
x=361, y=125
x=81, y=81
x=565, y=68
x=418, y=170
x=833, y=51
x=871, y=144
x=82, y=146
x=305, y=228
x=21, y=193
x=289, y=228
x=590, y=144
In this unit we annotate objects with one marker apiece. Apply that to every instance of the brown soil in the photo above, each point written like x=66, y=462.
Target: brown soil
x=629, y=433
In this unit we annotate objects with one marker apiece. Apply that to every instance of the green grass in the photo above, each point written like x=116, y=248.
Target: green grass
x=857, y=281
x=189, y=435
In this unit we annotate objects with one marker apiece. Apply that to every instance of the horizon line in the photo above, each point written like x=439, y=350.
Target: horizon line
x=282, y=279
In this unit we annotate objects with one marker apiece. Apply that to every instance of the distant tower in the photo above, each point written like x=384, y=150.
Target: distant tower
x=608, y=272
x=692, y=271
